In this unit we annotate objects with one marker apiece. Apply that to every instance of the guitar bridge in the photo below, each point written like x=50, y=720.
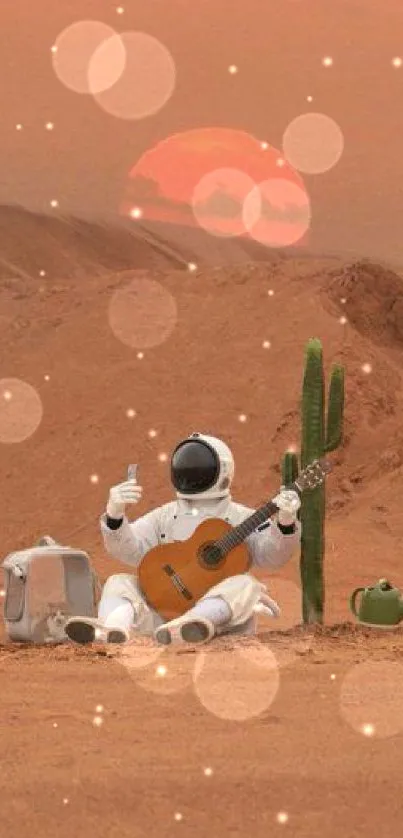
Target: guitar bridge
x=177, y=582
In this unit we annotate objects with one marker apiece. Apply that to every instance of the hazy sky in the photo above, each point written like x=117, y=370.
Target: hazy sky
x=278, y=47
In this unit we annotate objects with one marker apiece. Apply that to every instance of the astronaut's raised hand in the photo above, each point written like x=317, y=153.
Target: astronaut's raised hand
x=288, y=503
x=122, y=495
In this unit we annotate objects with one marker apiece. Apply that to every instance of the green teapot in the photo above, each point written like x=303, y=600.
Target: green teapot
x=381, y=606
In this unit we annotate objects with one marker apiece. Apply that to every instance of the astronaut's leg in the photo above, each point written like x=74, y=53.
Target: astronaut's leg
x=121, y=611
x=228, y=607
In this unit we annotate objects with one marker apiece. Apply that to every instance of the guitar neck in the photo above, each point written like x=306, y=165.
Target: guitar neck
x=238, y=534
x=310, y=478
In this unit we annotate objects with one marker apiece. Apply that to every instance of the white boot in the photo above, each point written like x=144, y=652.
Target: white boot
x=117, y=615
x=113, y=624
x=84, y=630
x=197, y=626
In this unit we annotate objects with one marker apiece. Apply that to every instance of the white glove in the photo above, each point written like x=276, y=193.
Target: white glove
x=122, y=495
x=288, y=503
x=268, y=606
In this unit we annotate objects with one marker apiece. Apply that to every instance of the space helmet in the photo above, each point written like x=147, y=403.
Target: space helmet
x=202, y=467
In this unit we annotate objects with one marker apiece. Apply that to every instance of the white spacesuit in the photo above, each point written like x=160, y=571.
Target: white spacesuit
x=202, y=470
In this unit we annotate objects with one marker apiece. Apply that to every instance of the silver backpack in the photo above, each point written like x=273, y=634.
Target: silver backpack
x=44, y=586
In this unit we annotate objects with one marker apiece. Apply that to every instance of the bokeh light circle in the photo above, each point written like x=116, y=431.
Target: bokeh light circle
x=371, y=698
x=21, y=410
x=147, y=82
x=143, y=314
x=313, y=143
x=234, y=685
x=155, y=668
x=107, y=64
x=73, y=51
x=277, y=212
x=217, y=201
x=140, y=652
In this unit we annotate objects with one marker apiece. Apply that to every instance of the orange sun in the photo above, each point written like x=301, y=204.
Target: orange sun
x=226, y=181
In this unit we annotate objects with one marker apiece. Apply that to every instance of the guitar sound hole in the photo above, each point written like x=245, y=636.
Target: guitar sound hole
x=210, y=555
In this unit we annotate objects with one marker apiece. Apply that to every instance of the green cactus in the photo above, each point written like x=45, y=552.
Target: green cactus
x=320, y=435
x=289, y=468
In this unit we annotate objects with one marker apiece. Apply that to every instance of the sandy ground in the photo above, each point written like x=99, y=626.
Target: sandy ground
x=163, y=760
x=290, y=733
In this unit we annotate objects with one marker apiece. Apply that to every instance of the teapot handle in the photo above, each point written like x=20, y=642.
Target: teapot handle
x=353, y=600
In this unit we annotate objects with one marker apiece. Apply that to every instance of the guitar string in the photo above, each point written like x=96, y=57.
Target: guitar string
x=239, y=533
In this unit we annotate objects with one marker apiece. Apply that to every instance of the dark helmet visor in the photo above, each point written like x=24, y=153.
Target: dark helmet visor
x=195, y=467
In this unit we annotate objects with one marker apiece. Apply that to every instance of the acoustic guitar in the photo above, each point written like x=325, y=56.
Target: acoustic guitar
x=173, y=577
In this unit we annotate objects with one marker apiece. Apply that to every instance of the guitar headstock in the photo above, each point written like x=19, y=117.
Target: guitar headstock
x=313, y=475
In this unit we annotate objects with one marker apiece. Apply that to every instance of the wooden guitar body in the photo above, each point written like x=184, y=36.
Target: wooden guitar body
x=172, y=577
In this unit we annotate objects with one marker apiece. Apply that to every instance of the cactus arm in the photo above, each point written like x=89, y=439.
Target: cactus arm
x=289, y=468
x=335, y=411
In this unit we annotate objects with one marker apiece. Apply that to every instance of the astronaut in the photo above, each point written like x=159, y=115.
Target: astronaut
x=202, y=470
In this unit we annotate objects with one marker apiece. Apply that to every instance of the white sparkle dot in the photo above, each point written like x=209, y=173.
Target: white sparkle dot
x=327, y=61
x=54, y=203
x=97, y=721
x=94, y=478
x=54, y=48
x=309, y=98
x=140, y=355
x=136, y=212
x=282, y=817
x=343, y=300
x=18, y=126
x=280, y=162
x=208, y=772
x=332, y=677
x=397, y=62
x=264, y=146
x=178, y=816
x=368, y=730
x=130, y=413
x=192, y=267
x=195, y=512
x=161, y=671
x=47, y=377
x=266, y=344
x=49, y=126
x=42, y=273
x=152, y=433
x=343, y=321
x=55, y=724
x=232, y=69
x=99, y=708
x=162, y=458
x=7, y=395
x=270, y=292
x=292, y=449
x=98, y=633
x=367, y=368
x=120, y=10
x=242, y=417
x=65, y=800
x=2, y=592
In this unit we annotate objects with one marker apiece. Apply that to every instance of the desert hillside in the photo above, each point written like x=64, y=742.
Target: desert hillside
x=121, y=378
